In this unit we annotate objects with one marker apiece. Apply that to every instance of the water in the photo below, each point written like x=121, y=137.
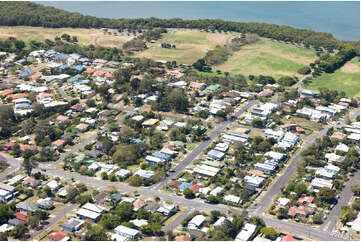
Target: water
x=342, y=19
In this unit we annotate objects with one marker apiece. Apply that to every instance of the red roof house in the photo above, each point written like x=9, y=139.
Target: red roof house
x=57, y=236
x=22, y=217
x=195, y=187
x=288, y=238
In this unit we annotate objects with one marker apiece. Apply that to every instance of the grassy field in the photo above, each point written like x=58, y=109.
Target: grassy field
x=85, y=36
x=345, y=79
x=268, y=57
x=191, y=45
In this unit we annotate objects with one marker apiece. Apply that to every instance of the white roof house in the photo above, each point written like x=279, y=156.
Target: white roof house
x=332, y=168
x=270, y=133
x=139, y=222
x=246, y=232
x=138, y=118
x=216, y=190
x=15, y=179
x=254, y=180
x=154, y=160
x=88, y=214
x=290, y=138
x=324, y=173
x=276, y=156
x=93, y=207
x=215, y=154
x=53, y=185
x=223, y=147
x=342, y=147
x=144, y=173
x=354, y=137
x=6, y=227
x=220, y=221
x=283, y=201
x=331, y=157
x=206, y=170
x=319, y=183
x=232, y=199
x=356, y=224
x=123, y=173
x=126, y=232
x=196, y=222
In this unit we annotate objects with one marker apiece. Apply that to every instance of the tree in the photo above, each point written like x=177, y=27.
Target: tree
x=237, y=224
x=124, y=210
x=5, y=213
x=19, y=232
x=317, y=218
x=355, y=188
x=257, y=122
x=188, y=193
x=326, y=195
x=96, y=233
x=300, y=188
x=19, y=45
x=33, y=221
x=178, y=100
x=304, y=70
x=270, y=233
x=212, y=199
x=257, y=221
x=28, y=165
x=109, y=221
x=282, y=213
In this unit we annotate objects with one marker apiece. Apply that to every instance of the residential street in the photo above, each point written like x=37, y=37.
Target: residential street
x=55, y=219
x=203, y=145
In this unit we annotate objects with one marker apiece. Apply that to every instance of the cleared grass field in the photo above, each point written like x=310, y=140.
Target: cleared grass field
x=345, y=79
x=191, y=45
x=85, y=36
x=268, y=57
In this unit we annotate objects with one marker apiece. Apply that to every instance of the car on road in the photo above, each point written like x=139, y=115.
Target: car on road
x=43, y=170
x=172, y=170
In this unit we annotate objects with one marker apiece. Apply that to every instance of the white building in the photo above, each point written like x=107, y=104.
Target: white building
x=196, y=222
x=246, y=233
x=126, y=232
x=269, y=133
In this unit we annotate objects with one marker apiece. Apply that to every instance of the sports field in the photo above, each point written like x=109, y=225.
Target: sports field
x=191, y=45
x=85, y=36
x=268, y=57
x=346, y=79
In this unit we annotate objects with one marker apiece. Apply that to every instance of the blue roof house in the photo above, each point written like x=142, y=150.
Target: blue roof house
x=78, y=68
x=185, y=185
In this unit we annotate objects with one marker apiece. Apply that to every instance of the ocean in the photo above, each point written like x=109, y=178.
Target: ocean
x=342, y=19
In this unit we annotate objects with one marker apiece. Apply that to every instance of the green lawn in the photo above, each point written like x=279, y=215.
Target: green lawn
x=191, y=45
x=345, y=79
x=268, y=57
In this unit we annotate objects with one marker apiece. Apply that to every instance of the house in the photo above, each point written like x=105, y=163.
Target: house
x=309, y=93
x=196, y=222
x=255, y=181
x=288, y=237
x=144, y=173
x=21, y=216
x=356, y=224
x=24, y=207
x=332, y=168
x=354, y=138
x=206, y=170
x=15, y=221
x=222, y=147
x=301, y=211
x=53, y=185
x=139, y=203
x=152, y=207
x=162, y=155
x=338, y=136
x=45, y=204
x=267, y=168
x=150, y=122
x=232, y=199
x=57, y=143
x=152, y=160
x=175, y=184
x=275, y=156
x=72, y=225
x=137, y=118
x=182, y=238
x=277, y=135
x=194, y=188
x=283, y=202
x=126, y=232
x=290, y=138
x=197, y=85
x=101, y=197
x=31, y=181
x=82, y=127
x=167, y=209
x=332, y=157
x=122, y=173
x=256, y=173
x=15, y=180
x=105, y=113
x=322, y=172
x=306, y=200
x=216, y=191
x=88, y=214
x=63, y=192
x=139, y=222
x=342, y=147
x=318, y=183
x=58, y=236
x=7, y=192
x=246, y=233
x=6, y=228
x=220, y=221
x=93, y=207
x=61, y=119
x=215, y=155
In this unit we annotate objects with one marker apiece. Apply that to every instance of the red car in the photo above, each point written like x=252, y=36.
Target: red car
x=43, y=170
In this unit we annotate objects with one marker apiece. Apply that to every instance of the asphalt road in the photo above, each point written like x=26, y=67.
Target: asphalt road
x=172, y=226
x=55, y=219
x=345, y=197
x=195, y=152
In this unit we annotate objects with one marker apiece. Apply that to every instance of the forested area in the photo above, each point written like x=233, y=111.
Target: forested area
x=31, y=14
